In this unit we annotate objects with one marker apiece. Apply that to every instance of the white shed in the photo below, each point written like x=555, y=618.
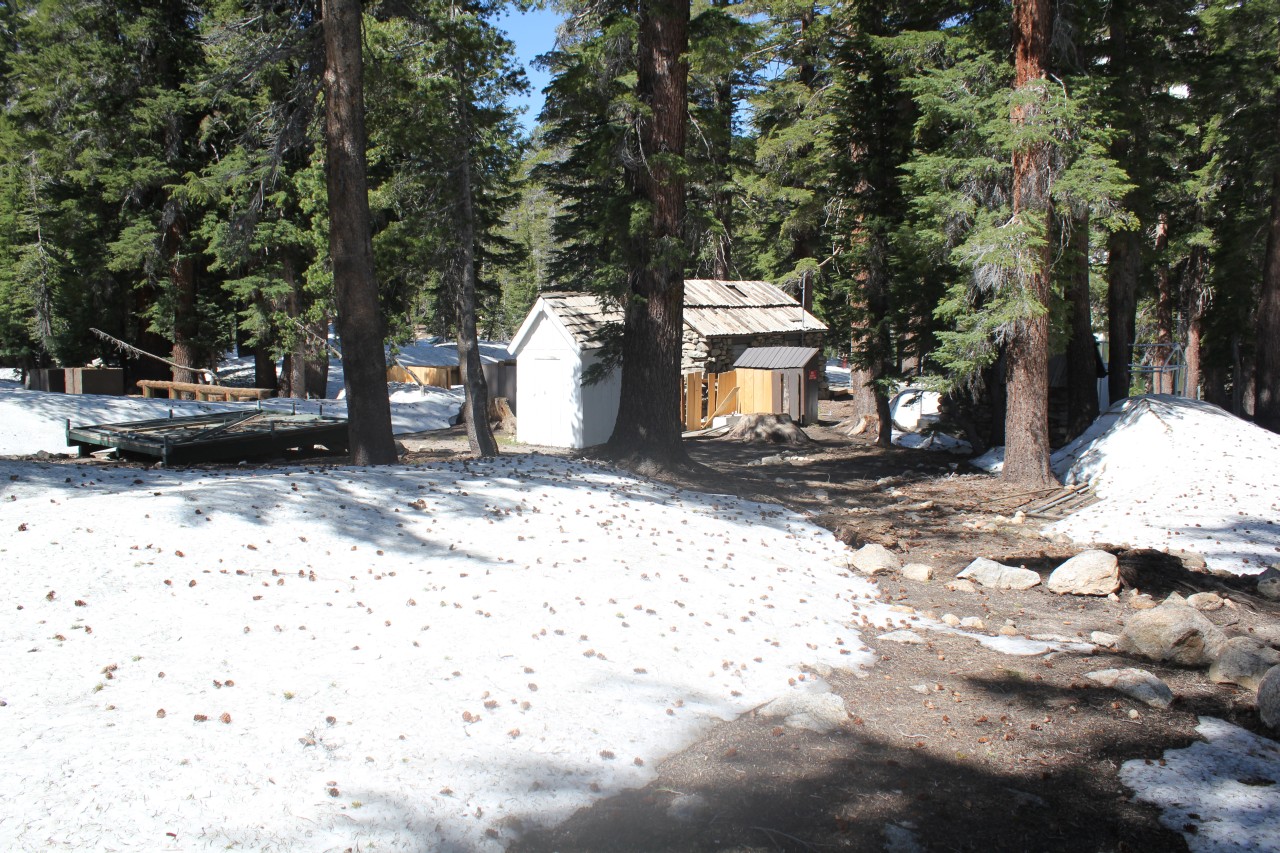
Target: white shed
x=553, y=347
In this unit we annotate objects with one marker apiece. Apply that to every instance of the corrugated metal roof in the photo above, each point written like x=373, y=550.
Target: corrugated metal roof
x=582, y=315
x=775, y=358
x=716, y=308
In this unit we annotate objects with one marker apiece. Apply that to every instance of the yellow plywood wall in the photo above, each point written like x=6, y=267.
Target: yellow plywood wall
x=759, y=392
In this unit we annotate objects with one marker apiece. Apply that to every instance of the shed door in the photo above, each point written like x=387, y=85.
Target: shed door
x=791, y=394
x=547, y=400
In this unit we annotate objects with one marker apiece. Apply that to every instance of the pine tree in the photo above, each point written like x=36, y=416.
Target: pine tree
x=1241, y=88
x=360, y=323
x=992, y=161
x=647, y=430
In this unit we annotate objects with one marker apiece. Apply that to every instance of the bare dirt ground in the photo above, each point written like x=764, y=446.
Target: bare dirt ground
x=949, y=744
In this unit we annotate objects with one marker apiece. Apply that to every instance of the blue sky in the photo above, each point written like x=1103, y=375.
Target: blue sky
x=533, y=33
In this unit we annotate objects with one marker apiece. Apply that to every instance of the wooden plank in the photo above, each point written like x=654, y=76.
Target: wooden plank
x=726, y=406
x=202, y=392
x=693, y=400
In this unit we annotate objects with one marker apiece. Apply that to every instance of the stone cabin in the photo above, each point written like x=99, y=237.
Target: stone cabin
x=722, y=319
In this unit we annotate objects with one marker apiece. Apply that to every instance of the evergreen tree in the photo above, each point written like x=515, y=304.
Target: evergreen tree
x=1241, y=88
x=992, y=161
x=360, y=323
x=647, y=431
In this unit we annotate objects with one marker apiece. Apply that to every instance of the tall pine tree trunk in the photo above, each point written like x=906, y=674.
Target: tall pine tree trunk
x=722, y=195
x=182, y=278
x=1123, y=250
x=1266, y=407
x=1196, y=300
x=316, y=355
x=1082, y=351
x=350, y=244
x=476, y=391
x=1162, y=360
x=293, y=375
x=264, y=367
x=647, y=431
x=1122, y=304
x=1026, y=459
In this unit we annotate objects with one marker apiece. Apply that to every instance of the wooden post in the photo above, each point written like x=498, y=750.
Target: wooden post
x=693, y=400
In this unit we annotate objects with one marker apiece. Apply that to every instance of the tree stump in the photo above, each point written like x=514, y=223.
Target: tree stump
x=501, y=416
x=869, y=424
x=774, y=429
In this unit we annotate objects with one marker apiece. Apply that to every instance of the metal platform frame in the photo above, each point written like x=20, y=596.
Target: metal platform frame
x=217, y=437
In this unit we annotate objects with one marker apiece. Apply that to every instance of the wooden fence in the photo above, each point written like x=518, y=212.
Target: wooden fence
x=704, y=397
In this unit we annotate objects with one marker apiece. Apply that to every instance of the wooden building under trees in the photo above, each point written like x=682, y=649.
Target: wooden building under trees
x=559, y=341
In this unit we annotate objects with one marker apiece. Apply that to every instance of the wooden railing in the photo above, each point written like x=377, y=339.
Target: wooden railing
x=202, y=392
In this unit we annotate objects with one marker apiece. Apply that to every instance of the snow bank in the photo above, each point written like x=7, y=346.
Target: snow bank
x=1221, y=794
x=437, y=353
x=837, y=374
x=931, y=441
x=34, y=421
x=1176, y=473
x=448, y=653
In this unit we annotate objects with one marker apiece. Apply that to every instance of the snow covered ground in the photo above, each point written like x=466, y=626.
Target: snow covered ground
x=1220, y=793
x=34, y=421
x=1179, y=473
x=333, y=658
x=1175, y=473
x=324, y=658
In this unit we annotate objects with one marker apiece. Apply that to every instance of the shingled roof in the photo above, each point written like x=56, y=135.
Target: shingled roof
x=581, y=314
x=711, y=308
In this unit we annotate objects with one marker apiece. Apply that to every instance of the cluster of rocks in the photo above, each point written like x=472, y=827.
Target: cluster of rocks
x=1177, y=632
x=1174, y=631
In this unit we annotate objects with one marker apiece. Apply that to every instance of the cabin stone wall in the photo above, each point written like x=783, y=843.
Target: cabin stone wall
x=717, y=354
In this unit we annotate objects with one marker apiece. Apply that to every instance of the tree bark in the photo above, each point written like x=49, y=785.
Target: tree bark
x=1266, y=407
x=1123, y=249
x=1026, y=459
x=293, y=373
x=1196, y=300
x=264, y=368
x=1122, y=303
x=1082, y=350
x=476, y=400
x=350, y=244
x=647, y=431
x=182, y=278
x=316, y=358
x=1162, y=359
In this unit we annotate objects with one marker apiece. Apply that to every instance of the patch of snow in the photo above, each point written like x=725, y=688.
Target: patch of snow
x=837, y=374
x=914, y=408
x=992, y=461
x=448, y=652
x=1015, y=646
x=436, y=353
x=34, y=421
x=1222, y=794
x=931, y=441
x=1176, y=473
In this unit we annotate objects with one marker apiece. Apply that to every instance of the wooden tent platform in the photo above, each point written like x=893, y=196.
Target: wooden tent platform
x=219, y=437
